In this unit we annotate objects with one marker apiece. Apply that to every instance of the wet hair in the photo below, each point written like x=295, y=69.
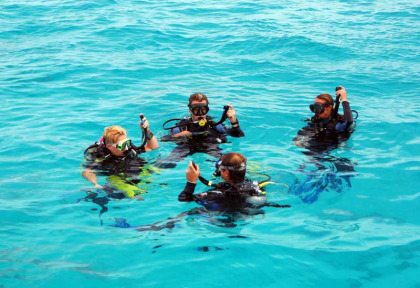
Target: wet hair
x=327, y=98
x=112, y=133
x=235, y=160
x=198, y=97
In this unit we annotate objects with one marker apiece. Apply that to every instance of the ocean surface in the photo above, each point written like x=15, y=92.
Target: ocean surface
x=68, y=69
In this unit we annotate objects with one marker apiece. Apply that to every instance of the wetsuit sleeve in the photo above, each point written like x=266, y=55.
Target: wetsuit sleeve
x=187, y=194
x=234, y=131
x=348, y=117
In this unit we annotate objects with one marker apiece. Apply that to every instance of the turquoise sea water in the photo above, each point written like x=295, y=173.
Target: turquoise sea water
x=70, y=68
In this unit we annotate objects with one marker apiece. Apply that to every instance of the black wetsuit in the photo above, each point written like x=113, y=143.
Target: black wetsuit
x=325, y=134
x=226, y=197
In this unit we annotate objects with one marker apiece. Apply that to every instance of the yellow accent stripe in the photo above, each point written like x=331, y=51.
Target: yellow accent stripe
x=264, y=184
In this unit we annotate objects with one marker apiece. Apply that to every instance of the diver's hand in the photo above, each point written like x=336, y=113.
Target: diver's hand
x=144, y=123
x=231, y=114
x=183, y=133
x=193, y=172
x=342, y=92
x=97, y=186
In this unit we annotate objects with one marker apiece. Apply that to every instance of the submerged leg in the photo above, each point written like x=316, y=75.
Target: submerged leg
x=160, y=225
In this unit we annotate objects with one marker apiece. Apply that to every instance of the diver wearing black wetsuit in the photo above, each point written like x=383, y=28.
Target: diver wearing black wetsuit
x=127, y=167
x=235, y=194
x=199, y=132
x=230, y=199
x=324, y=132
x=326, y=129
x=116, y=157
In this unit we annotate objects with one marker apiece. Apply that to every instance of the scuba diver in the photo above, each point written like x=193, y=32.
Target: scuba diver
x=199, y=132
x=232, y=199
x=326, y=129
x=115, y=156
x=324, y=132
x=234, y=194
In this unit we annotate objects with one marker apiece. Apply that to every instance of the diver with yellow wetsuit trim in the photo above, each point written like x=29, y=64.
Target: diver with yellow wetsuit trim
x=115, y=156
x=234, y=194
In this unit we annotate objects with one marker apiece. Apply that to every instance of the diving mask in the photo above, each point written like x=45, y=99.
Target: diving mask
x=233, y=168
x=199, y=109
x=220, y=167
x=123, y=145
x=317, y=108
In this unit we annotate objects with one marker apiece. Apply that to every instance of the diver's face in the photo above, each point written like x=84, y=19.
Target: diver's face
x=327, y=111
x=113, y=147
x=198, y=109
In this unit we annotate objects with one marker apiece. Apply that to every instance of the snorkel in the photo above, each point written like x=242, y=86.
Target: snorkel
x=334, y=114
x=143, y=133
x=224, y=116
x=133, y=150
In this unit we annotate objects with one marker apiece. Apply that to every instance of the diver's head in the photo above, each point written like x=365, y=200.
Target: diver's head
x=116, y=141
x=232, y=167
x=323, y=106
x=199, y=106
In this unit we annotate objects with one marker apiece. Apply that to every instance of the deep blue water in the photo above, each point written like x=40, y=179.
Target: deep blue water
x=70, y=68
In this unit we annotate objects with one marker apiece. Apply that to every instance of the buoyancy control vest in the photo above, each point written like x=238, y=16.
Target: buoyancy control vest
x=206, y=130
x=239, y=195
